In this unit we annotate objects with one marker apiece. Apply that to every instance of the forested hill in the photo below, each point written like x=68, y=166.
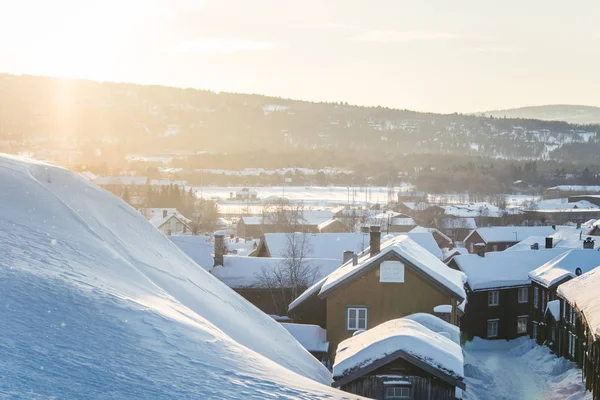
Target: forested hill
x=151, y=118
x=559, y=112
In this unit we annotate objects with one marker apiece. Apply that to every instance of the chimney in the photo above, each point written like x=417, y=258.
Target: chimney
x=588, y=243
x=554, y=227
x=164, y=213
x=549, y=243
x=219, y=247
x=480, y=249
x=375, y=241
x=354, y=259
x=348, y=256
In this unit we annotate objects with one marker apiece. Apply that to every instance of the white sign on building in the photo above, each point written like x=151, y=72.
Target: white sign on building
x=391, y=271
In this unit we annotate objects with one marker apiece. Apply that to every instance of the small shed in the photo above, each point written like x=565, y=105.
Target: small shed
x=400, y=359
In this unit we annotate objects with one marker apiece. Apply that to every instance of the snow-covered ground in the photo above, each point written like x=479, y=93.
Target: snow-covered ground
x=519, y=370
x=95, y=303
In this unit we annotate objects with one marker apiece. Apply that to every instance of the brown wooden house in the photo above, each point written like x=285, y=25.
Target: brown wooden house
x=384, y=282
x=498, y=238
x=423, y=366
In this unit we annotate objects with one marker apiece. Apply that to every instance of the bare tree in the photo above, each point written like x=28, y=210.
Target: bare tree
x=294, y=273
x=286, y=215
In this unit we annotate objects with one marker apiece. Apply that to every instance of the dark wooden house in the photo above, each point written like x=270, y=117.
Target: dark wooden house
x=412, y=371
x=579, y=326
x=498, y=291
x=546, y=279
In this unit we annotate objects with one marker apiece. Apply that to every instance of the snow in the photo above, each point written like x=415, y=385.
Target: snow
x=457, y=223
x=399, y=334
x=312, y=337
x=553, y=308
x=575, y=188
x=565, y=265
x=421, y=229
x=437, y=325
x=582, y=292
x=443, y=309
x=410, y=251
x=244, y=272
x=519, y=370
x=396, y=382
x=96, y=303
x=502, y=269
x=564, y=205
x=201, y=248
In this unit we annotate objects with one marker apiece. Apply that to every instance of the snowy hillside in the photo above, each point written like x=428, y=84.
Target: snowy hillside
x=96, y=303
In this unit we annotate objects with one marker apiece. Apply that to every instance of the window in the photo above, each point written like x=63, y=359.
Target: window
x=179, y=227
x=471, y=249
x=398, y=392
x=564, y=310
x=493, y=298
x=495, y=247
x=544, y=300
x=536, y=297
x=572, y=316
x=534, y=330
x=492, y=328
x=391, y=271
x=357, y=318
x=553, y=337
x=522, y=324
x=572, y=345
x=523, y=295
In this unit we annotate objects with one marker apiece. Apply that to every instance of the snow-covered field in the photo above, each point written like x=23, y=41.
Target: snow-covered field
x=519, y=370
x=313, y=196
x=95, y=303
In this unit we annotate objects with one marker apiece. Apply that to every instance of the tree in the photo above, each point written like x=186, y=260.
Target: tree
x=293, y=274
x=286, y=215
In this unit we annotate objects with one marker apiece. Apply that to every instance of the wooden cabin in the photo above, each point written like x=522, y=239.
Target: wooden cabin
x=498, y=238
x=404, y=360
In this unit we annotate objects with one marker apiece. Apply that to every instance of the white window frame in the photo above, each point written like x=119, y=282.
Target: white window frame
x=494, y=247
x=520, y=318
x=356, y=320
x=398, y=392
x=523, y=299
x=493, y=298
x=572, y=316
x=497, y=324
x=572, y=345
x=536, y=297
x=534, y=330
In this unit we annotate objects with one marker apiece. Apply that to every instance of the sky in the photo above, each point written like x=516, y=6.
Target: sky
x=426, y=55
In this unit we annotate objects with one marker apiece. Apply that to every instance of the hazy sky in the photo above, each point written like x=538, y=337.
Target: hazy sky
x=440, y=55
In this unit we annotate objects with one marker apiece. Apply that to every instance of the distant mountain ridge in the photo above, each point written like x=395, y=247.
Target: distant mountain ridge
x=114, y=119
x=574, y=114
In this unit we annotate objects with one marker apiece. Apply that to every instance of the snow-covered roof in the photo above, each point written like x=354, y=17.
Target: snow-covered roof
x=417, y=206
x=501, y=269
x=582, y=292
x=437, y=325
x=575, y=188
x=457, y=223
x=564, y=205
x=100, y=283
x=252, y=220
x=309, y=217
x=312, y=337
x=495, y=234
x=474, y=210
x=312, y=290
x=201, y=248
x=399, y=335
x=566, y=237
x=565, y=266
x=407, y=221
x=408, y=250
x=325, y=224
x=245, y=272
x=422, y=229
x=553, y=308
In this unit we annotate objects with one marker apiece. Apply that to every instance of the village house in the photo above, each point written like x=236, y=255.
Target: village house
x=264, y=281
x=168, y=220
x=385, y=282
x=402, y=359
x=334, y=245
x=256, y=226
x=333, y=225
x=548, y=277
x=498, y=286
x=579, y=326
x=457, y=229
x=443, y=241
x=498, y=238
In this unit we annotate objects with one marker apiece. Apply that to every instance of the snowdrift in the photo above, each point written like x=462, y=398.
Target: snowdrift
x=97, y=303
